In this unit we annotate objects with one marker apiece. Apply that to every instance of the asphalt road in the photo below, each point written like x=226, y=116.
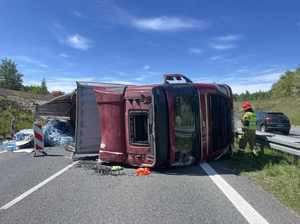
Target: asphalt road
x=81, y=195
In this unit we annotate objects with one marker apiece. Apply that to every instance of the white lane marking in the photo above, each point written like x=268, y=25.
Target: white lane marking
x=35, y=188
x=247, y=211
x=2, y=152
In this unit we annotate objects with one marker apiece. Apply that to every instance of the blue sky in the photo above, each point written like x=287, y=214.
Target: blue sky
x=246, y=44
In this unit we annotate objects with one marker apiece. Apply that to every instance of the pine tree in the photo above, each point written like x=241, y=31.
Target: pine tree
x=44, y=89
x=10, y=78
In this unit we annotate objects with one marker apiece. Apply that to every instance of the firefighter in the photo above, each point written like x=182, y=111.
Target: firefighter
x=249, y=127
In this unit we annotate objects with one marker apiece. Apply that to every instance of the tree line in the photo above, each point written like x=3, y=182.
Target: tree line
x=287, y=86
x=11, y=78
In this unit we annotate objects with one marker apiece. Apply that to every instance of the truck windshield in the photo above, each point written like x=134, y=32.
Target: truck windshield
x=184, y=127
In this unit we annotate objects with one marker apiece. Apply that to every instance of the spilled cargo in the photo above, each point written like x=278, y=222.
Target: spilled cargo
x=176, y=123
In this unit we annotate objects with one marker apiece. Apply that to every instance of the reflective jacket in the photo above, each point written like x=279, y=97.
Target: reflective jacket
x=249, y=120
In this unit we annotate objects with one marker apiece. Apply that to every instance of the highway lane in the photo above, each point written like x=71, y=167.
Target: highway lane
x=21, y=171
x=80, y=195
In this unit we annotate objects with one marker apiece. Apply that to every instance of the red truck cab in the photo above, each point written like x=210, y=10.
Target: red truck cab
x=173, y=124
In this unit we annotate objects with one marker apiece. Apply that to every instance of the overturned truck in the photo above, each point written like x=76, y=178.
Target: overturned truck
x=173, y=124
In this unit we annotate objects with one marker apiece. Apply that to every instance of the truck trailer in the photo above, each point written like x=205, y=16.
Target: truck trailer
x=177, y=123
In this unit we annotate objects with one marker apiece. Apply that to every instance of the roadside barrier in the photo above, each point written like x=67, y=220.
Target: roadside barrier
x=38, y=139
x=285, y=144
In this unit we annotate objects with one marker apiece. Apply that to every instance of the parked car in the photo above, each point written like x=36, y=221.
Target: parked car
x=273, y=121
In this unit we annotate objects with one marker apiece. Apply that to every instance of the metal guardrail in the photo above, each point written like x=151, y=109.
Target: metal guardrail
x=281, y=143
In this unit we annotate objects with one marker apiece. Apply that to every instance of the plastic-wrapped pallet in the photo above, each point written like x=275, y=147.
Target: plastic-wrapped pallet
x=58, y=132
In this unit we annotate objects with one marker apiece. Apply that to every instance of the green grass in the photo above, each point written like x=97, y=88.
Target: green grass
x=288, y=105
x=274, y=171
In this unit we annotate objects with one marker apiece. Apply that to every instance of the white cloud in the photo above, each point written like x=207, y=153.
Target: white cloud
x=77, y=13
x=241, y=88
x=32, y=61
x=252, y=82
x=240, y=82
x=146, y=67
x=140, y=78
x=229, y=38
x=66, y=84
x=216, y=57
x=78, y=42
x=74, y=79
x=165, y=23
x=226, y=42
x=268, y=77
x=247, y=79
x=225, y=58
x=115, y=80
x=267, y=70
x=194, y=50
x=110, y=12
x=122, y=82
x=222, y=47
x=242, y=70
x=63, y=55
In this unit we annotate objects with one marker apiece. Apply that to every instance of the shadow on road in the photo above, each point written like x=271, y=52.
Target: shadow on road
x=50, y=155
x=178, y=171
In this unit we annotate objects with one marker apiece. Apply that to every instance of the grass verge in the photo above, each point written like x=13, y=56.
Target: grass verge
x=273, y=171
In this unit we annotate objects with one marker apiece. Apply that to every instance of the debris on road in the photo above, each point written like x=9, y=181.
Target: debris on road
x=23, y=139
x=142, y=172
x=116, y=168
x=102, y=169
x=70, y=147
x=10, y=145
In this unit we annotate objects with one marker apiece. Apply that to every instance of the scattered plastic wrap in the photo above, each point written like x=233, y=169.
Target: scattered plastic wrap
x=10, y=145
x=24, y=135
x=22, y=139
x=58, y=132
